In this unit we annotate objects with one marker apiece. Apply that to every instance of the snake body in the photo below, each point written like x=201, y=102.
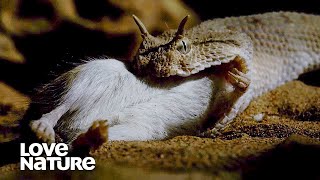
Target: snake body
x=273, y=48
x=285, y=45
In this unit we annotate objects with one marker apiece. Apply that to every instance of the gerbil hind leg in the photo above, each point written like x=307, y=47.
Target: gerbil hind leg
x=92, y=139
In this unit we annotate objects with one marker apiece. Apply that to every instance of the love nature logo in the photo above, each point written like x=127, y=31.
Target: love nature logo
x=43, y=156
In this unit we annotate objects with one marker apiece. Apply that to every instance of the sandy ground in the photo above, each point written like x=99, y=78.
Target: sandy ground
x=285, y=140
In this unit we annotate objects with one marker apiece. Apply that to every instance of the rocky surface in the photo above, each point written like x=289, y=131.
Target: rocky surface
x=21, y=18
x=12, y=107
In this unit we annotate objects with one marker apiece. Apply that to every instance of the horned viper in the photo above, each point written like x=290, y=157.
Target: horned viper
x=181, y=78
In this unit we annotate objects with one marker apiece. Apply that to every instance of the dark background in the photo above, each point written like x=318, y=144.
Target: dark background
x=208, y=9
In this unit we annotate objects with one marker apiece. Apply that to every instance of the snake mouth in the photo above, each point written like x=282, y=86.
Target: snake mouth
x=219, y=67
x=237, y=63
x=240, y=64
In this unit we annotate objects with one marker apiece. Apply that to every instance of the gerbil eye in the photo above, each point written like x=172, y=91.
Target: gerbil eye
x=183, y=46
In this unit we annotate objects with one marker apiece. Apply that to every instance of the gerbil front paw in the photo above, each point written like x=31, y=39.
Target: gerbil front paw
x=238, y=79
x=43, y=130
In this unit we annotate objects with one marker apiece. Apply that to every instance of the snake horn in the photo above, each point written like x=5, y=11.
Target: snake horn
x=181, y=26
x=143, y=29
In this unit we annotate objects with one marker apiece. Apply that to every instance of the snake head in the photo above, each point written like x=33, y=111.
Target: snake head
x=181, y=53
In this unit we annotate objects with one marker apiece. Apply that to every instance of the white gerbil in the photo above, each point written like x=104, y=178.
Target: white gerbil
x=136, y=109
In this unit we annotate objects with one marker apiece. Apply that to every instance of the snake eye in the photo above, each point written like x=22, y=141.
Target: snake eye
x=183, y=46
